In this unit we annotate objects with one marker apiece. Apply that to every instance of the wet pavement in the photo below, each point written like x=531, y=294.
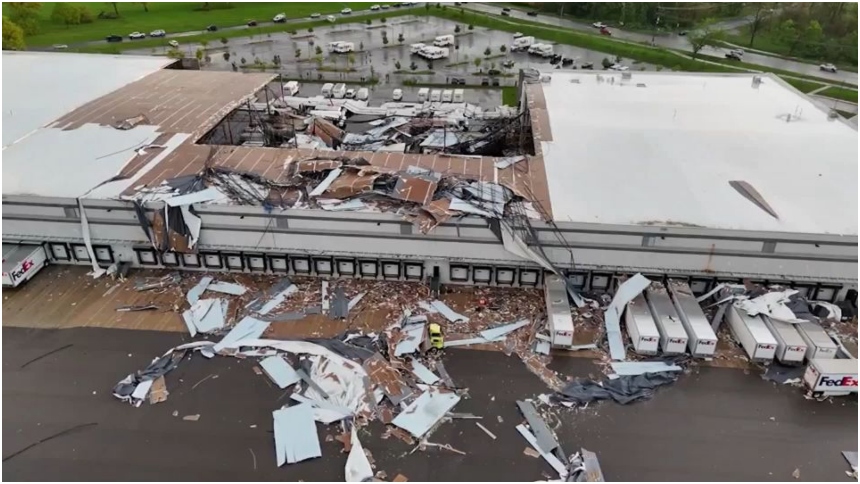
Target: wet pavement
x=715, y=424
x=674, y=41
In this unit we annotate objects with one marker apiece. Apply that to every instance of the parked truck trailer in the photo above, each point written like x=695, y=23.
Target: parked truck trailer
x=701, y=339
x=818, y=344
x=752, y=334
x=673, y=337
x=790, y=346
x=641, y=327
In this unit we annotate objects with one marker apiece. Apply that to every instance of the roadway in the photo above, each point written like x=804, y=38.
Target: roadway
x=678, y=42
x=712, y=425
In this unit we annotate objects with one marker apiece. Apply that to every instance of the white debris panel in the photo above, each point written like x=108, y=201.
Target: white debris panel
x=626, y=292
x=426, y=411
x=227, y=288
x=296, y=437
x=358, y=468
x=413, y=335
x=279, y=371
x=622, y=368
x=246, y=329
x=449, y=313
x=205, y=316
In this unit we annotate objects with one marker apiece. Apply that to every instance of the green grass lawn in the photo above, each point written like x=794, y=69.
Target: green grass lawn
x=765, y=40
x=756, y=67
x=840, y=93
x=803, y=86
x=172, y=17
x=509, y=96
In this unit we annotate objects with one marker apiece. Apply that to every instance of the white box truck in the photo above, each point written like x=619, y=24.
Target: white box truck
x=362, y=94
x=416, y=48
x=339, y=91
x=459, y=95
x=673, y=337
x=751, y=332
x=423, y=94
x=559, y=321
x=291, y=88
x=435, y=96
x=701, y=339
x=22, y=262
x=522, y=43
x=443, y=40
x=831, y=377
x=790, y=346
x=819, y=346
x=447, y=95
x=641, y=327
x=326, y=89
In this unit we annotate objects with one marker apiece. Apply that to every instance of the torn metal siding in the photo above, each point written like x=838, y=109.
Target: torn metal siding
x=416, y=189
x=296, y=437
x=427, y=410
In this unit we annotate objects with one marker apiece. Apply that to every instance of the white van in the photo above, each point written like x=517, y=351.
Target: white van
x=291, y=88
x=443, y=40
x=543, y=50
x=339, y=47
x=362, y=94
x=459, y=95
x=326, y=89
x=338, y=91
x=423, y=94
x=416, y=48
x=331, y=18
x=447, y=95
x=397, y=94
x=435, y=96
x=432, y=53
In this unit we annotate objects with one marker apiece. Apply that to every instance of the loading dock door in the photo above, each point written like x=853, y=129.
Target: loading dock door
x=323, y=266
x=301, y=265
x=81, y=253
x=60, y=252
x=505, y=276
x=278, y=263
x=482, y=274
x=528, y=277
x=169, y=259
x=346, y=267
x=234, y=261
x=191, y=260
x=256, y=263
x=414, y=271
x=391, y=270
x=212, y=261
x=459, y=273
x=368, y=268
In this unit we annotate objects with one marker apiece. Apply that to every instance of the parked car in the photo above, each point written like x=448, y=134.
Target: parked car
x=506, y=9
x=682, y=33
x=533, y=13
x=252, y=23
x=494, y=72
x=397, y=94
x=618, y=67
x=173, y=44
x=346, y=11
x=60, y=46
x=555, y=59
x=280, y=18
x=158, y=33
x=605, y=31
x=375, y=7
x=517, y=35
x=495, y=82
x=828, y=68
x=458, y=81
x=331, y=18
x=485, y=81
x=212, y=28
x=114, y=38
x=508, y=64
x=506, y=14
x=315, y=15
x=136, y=35
x=587, y=65
x=350, y=93
x=384, y=6
x=599, y=25
x=566, y=61
x=734, y=55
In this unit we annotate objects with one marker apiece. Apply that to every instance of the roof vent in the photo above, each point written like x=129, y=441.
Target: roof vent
x=627, y=75
x=640, y=84
x=833, y=114
x=575, y=81
x=756, y=81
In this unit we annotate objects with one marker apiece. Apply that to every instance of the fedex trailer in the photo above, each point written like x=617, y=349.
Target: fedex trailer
x=673, y=337
x=790, y=346
x=22, y=262
x=751, y=332
x=702, y=340
x=641, y=327
x=819, y=346
x=831, y=377
x=558, y=312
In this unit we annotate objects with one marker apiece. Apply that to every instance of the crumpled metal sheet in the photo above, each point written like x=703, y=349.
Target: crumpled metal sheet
x=626, y=368
x=195, y=292
x=623, y=390
x=551, y=459
x=543, y=435
x=449, y=313
x=426, y=411
x=423, y=373
x=227, y=288
x=499, y=331
x=612, y=317
x=125, y=389
x=248, y=328
x=413, y=335
x=358, y=468
x=279, y=371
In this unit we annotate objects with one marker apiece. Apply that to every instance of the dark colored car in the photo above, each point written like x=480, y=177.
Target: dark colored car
x=495, y=82
x=212, y=28
x=506, y=14
x=485, y=81
x=252, y=23
x=683, y=32
x=506, y=9
x=458, y=80
x=114, y=38
x=566, y=61
x=587, y=65
x=555, y=59
x=493, y=72
x=532, y=14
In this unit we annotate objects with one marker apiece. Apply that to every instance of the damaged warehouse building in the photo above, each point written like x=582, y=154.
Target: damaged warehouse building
x=708, y=178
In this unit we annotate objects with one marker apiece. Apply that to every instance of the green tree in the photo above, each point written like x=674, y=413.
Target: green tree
x=175, y=54
x=503, y=48
x=199, y=54
x=457, y=29
x=413, y=66
x=224, y=40
x=478, y=61
x=204, y=43
x=385, y=40
x=487, y=52
x=115, y=8
x=400, y=38
x=13, y=35
x=226, y=56
x=397, y=65
x=471, y=27
x=310, y=30
x=24, y=14
x=66, y=13
x=706, y=35
x=318, y=50
x=368, y=21
x=383, y=20
x=298, y=53
x=761, y=12
x=145, y=6
x=812, y=38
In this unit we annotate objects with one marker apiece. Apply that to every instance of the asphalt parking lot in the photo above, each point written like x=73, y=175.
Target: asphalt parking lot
x=714, y=424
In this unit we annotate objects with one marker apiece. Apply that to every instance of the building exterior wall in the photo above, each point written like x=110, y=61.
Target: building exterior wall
x=594, y=252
